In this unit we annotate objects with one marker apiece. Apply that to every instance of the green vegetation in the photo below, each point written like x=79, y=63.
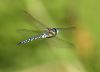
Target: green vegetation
x=53, y=13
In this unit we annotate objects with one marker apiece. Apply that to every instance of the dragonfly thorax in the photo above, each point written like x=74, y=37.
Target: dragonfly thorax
x=52, y=32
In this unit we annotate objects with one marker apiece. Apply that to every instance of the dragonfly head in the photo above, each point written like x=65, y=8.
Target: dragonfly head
x=56, y=30
x=53, y=30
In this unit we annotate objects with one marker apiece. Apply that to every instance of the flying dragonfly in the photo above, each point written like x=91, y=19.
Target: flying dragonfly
x=47, y=33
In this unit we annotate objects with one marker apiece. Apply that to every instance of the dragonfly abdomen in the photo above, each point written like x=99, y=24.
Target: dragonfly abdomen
x=33, y=38
x=26, y=41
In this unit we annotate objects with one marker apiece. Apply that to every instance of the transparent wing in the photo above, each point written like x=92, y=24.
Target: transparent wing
x=65, y=41
x=66, y=32
x=28, y=33
x=66, y=35
x=67, y=28
x=29, y=16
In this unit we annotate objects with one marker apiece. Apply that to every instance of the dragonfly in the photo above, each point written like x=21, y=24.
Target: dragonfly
x=47, y=33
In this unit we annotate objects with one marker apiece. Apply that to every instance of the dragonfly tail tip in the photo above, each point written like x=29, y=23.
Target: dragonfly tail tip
x=18, y=43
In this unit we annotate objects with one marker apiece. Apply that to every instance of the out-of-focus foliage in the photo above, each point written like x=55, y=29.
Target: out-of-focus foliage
x=84, y=55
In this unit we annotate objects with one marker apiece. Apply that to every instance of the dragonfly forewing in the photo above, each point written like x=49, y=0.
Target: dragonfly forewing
x=67, y=28
x=34, y=19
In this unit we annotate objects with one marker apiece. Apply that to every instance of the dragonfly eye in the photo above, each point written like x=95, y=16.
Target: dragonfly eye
x=55, y=30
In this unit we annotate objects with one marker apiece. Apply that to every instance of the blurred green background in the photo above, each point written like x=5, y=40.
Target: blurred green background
x=53, y=13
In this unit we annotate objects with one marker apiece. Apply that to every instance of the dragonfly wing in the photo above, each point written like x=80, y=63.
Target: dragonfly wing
x=66, y=35
x=26, y=32
x=67, y=28
x=33, y=19
x=67, y=32
x=65, y=41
